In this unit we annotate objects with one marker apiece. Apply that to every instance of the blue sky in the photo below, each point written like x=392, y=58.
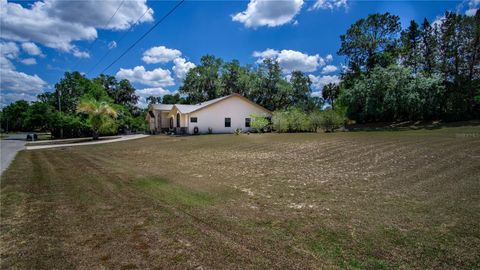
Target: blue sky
x=40, y=40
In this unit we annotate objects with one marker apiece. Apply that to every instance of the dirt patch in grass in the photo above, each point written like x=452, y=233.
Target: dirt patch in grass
x=354, y=200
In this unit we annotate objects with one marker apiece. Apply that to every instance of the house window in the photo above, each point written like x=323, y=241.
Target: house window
x=247, y=122
x=193, y=119
x=228, y=122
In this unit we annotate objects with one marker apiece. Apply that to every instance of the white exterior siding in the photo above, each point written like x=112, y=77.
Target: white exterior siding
x=159, y=121
x=213, y=116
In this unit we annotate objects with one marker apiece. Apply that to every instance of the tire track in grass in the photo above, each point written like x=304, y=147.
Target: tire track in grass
x=191, y=219
x=40, y=230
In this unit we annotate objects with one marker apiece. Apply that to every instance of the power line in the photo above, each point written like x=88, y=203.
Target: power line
x=118, y=41
x=95, y=41
x=144, y=35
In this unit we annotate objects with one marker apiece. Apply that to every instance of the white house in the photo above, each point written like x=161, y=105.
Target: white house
x=221, y=115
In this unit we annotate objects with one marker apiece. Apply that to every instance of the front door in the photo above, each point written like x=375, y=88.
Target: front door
x=178, y=120
x=171, y=122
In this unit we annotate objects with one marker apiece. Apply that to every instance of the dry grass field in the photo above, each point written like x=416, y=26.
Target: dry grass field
x=358, y=200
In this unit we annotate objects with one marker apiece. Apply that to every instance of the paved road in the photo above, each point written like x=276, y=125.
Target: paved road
x=9, y=148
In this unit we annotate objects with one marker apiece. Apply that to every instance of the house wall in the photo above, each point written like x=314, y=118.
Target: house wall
x=183, y=118
x=214, y=116
x=160, y=121
x=163, y=119
x=151, y=123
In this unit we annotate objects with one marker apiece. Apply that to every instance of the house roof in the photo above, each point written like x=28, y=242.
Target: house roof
x=184, y=108
x=162, y=107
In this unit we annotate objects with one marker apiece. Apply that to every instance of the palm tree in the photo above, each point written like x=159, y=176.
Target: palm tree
x=330, y=93
x=101, y=115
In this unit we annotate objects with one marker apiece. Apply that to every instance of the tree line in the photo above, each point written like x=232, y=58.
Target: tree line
x=424, y=72
x=60, y=113
x=265, y=85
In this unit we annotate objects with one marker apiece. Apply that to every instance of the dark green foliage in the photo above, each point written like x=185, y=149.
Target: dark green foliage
x=154, y=100
x=410, y=50
x=394, y=93
x=202, y=82
x=371, y=42
x=40, y=116
x=265, y=85
x=13, y=116
x=428, y=47
x=57, y=111
x=71, y=87
x=173, y=99
x=302, y=89
x=440, y=78
x=330, y=93
x=234, y=79
x=121, y=92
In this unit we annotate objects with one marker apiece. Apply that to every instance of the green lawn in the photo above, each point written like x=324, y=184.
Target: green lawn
x=353, y=200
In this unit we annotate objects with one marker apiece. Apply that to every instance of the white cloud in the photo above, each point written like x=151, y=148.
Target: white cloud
x=32, y=49
x=329, y=69
x=57, y=23
x=98, y=14
x=328, y=58
x=9, y=50
x=181, y=67
x=319, y=81
x=80, y=54
x=112, y=44
x=12, y=80
x=156, y=78
x=5, y=63
x=7, y=98
x=29, y=61
x=291, y=60
x=268, y=13
x=146, y=92
x=471, y=11
x=268, y=53
x=15, y=85
x=330, y=4
x=160, y=54
x=472, y=7
x=154, y=91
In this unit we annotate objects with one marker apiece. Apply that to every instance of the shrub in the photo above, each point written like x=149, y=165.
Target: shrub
x=315, y=120
x=259, y=123
x=280, y=121
x=330, y=120
x=291, y=120
x=238, y=131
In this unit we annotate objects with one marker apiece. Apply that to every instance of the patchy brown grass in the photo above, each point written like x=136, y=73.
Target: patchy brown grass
x=368, y=200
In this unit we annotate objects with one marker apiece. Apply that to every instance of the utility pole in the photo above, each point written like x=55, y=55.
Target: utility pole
x=59, y=93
